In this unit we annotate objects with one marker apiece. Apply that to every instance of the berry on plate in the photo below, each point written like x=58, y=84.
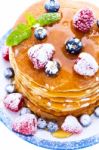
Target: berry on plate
x=52, y=6
x=14, y=102
x=9, y=73
x=41, y=123
x=25, y=110
x=10, y=88
x=98, y=23
x=40, y=54
x=40, y=33
x=52, y=126
x=71, y=125
x=5, y=53
x=86, y=65
x=85, y=120
x=52, y=68
x=25, y=124
x=96, y=112
x=84, y=19
x=74, y=46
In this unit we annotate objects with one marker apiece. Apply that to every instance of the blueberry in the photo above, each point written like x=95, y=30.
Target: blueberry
x=10, y=88
x=74, y=46
x=42, y=124
x=85, y=120
x=52, y=6
x=52, y=126
x=96, y=112
x=25, y=110
x=52, y=68
x=9, y=73
x=98, y=23
x=40, y=33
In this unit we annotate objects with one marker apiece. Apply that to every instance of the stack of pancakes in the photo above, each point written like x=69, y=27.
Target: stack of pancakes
x=68, y=92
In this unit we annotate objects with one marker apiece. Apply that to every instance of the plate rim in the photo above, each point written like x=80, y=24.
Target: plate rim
x=55, y=145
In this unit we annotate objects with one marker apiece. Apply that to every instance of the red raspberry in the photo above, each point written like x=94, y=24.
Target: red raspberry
x=25, y=124
x=14, y=102
x=83, y=20
x=86, y=65
x=72, y=125
x=5, y=53
x=40, y=54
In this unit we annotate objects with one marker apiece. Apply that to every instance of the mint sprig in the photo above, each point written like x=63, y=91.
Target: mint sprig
x=20, y=33
x=30, y=19
x=23, y=31
x=48, y=18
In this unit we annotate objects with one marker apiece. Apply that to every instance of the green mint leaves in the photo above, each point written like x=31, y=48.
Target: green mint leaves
x=20, y=33
x=30, y=20
x=48, y=18
x=23, y=31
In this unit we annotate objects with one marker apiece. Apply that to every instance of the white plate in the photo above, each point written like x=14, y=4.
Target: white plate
x=89, y=136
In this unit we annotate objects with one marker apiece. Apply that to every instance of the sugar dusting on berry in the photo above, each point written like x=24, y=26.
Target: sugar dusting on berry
x=13, y=102
x=86, y=65
x=41, y=123
x=74, y=46
x=25, y=124
x=52, y=68
x=40, y=54
x=85, y=120
x=71, y=125
x=84, y=19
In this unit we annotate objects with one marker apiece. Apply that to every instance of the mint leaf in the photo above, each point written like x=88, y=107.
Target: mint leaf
x=30, y=20
x=48, y=18
x=20, y=33
x=23, y=31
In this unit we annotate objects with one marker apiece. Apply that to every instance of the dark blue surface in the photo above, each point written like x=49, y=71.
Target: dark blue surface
x=54, y=145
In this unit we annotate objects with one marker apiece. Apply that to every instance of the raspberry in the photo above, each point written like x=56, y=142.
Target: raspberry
x=83, y=20
x=86, y=65
x=71, y=125
x=5, y=53
x=14, y=102
x=40, y=54
x=25, y=124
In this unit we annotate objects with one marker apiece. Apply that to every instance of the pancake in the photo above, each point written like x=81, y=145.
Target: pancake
x=67, y=93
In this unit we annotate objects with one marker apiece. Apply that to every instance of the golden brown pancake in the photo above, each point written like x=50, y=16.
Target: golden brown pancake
x=67, y=93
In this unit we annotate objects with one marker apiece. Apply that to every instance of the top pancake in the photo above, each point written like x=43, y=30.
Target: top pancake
x=67, y=79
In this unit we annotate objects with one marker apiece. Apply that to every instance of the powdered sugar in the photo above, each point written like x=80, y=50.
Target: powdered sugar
x=40, y=54
x=52, y=68
x=84, y=19
x=13, y=101
x=72, y=125
x=86, y=65
x=85, y=120
x=25, y=124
